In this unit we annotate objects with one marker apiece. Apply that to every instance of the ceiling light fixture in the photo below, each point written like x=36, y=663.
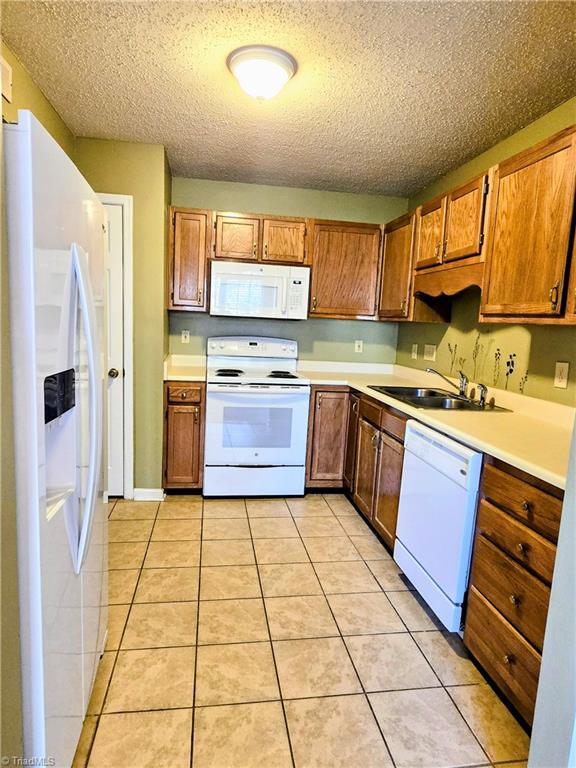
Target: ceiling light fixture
x=261, y=70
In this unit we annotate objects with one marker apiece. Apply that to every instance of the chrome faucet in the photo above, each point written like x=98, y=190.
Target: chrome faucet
x=462, y=385
x=483, y=393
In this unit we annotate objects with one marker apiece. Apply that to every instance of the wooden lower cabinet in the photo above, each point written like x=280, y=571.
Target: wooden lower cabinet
x=366, y=467
x=327, y=426
x=351, y=438
x=512, y=564
x=390, y=459
x=184, y=435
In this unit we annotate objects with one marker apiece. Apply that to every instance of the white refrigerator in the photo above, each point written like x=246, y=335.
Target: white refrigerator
x=56, y=245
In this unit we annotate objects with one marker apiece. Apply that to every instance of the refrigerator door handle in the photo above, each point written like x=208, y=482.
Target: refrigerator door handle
x=86, y=301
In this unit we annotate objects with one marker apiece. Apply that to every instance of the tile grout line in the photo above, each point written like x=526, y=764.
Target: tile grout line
x=117, y=650
x=341, y=636
x=272, y=647
x=193, y=718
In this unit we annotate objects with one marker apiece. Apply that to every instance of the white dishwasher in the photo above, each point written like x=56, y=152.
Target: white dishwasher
x=436, y=516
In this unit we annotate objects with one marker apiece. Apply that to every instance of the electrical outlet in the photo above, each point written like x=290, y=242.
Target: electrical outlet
x=561, y=375
x=185, y=337
x=358, y=345
x=414, y=354
x=430, y=352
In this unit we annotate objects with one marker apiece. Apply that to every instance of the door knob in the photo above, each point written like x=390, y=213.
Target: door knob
x=113, y=373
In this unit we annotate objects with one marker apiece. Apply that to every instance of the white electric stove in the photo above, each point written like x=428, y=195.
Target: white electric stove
x=256, y=418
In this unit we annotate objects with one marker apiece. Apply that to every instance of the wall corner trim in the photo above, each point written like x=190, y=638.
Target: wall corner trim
x=148, y=494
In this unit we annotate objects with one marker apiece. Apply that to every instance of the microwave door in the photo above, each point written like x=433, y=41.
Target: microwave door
x=249, y=296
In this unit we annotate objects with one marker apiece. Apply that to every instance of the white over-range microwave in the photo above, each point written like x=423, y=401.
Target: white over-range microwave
x=259, y=290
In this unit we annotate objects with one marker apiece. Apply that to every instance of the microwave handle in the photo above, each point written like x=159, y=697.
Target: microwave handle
x=285, y=295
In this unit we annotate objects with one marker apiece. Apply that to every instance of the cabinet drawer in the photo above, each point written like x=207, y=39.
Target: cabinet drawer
x=521, y=597
x=183, y=393
x=370, y=412
x=393, y=423
x=509, y=660
x=519, y=541
x=536, y=508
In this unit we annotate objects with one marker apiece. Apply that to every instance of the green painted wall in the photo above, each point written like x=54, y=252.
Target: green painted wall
x=317, y=339
x=25, y=95
x=472, y=347
x=285, y=201
x=537, y=348
x=139, y=170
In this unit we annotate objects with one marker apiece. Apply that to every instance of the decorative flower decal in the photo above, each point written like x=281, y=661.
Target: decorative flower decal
x=510, y=364
x=522, y=383
x=496, y=371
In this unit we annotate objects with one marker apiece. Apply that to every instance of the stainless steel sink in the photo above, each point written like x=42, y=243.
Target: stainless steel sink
x=435, y=398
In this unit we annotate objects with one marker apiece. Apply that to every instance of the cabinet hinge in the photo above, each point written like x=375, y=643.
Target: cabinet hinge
x=486, y=186
x=172, y=297
x=481, y=241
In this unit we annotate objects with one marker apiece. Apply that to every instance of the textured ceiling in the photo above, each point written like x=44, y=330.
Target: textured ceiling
x=388, y=95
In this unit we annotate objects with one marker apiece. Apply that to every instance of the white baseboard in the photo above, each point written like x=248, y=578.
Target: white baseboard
x=148, y=494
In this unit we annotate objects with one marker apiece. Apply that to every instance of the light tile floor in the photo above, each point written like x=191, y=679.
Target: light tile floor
x=271, y=633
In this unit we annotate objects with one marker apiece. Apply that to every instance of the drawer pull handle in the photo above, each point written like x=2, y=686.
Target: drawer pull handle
x=196, y=415
x=508, y=659
x=514, y=599
x=183, y=395
x=522, y=548
x=526, y=506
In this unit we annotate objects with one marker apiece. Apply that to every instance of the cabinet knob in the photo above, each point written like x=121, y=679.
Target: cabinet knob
x=265, y=249
x=254, y=246
x=199, y=297
x=526, y=506
x=437, y=251
x=183, y=395
x=403, y=304
x=196, y=415
x=514, y=599
x=522, y=548
x=375, y=441
x=508, y=658
x=319, y=401
x=313, y=302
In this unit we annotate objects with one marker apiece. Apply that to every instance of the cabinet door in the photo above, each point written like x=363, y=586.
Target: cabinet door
x=283, y=241
x=366, y=467
x=183, y=445
x=329, y=436
x=237, y=237
x=465, y=219
x=344, y=270
x=351, y=438
x=189, y=265
x=532, y=210
x=397, y=268
x=388, y=487
x=429, y=233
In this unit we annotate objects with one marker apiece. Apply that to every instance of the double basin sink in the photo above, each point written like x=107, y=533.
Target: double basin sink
x=421, y=397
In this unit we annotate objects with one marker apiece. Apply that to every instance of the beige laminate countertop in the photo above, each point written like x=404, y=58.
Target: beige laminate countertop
x=534, y=437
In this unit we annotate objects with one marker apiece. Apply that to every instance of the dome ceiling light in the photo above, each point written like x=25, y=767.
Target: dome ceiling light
x=261, y=70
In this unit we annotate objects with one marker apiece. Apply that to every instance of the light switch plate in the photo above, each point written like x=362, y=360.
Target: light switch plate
x=561, y=375
x=185, y=337
x=358, y=345
x=430, y=352
x=414, y=354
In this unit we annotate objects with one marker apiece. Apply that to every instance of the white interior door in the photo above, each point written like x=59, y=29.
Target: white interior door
x=115, y=363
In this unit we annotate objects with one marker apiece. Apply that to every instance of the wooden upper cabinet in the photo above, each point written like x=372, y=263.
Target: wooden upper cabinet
x=328, y=424
x=463, y=232
x=345, y=260
x=189, y=233
x=237, y=237
x=430, y=232
x=530, y=223
x=397, y=267
x=283, y=240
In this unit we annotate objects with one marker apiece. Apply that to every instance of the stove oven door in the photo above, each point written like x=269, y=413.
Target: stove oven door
x=256, y=425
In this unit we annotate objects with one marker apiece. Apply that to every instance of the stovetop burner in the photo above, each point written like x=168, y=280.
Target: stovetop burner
x=229, y=372
x=281, y=375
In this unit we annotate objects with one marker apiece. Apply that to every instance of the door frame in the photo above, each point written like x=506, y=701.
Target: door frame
x=126, y=202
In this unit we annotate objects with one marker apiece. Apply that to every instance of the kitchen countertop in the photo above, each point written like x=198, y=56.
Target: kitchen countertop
x=535, y=437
